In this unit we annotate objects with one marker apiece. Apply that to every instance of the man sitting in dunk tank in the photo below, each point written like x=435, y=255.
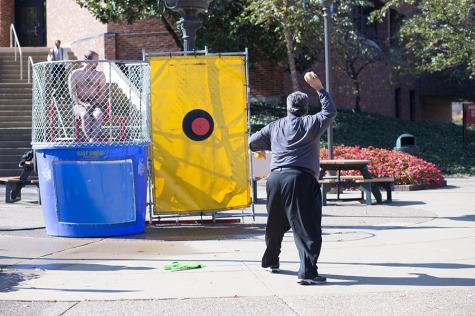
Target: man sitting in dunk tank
x=88, y=88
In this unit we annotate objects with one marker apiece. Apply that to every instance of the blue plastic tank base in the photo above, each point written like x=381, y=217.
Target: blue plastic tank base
x=93, y=191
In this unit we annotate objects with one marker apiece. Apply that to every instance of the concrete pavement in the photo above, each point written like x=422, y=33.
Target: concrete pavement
x=414, y=255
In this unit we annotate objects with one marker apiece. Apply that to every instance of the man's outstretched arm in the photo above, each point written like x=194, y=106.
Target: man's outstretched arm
x=260, y=140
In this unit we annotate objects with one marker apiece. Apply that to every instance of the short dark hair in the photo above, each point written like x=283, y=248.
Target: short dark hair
x=297, y=103
x=90, y=55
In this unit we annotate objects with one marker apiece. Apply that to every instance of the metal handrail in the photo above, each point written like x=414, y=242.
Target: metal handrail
x=30, y=64
x=14, y=41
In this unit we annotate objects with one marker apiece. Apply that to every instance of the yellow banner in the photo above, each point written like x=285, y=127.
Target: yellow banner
x=199, y=133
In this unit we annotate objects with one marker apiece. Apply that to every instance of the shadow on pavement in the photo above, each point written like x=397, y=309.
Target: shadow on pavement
x=200, y=232
x=468, y=218
x=420, y=279
x=434, y=265
x=80, y=290
x=388, y=227
x=73, y=266
x=404, y=203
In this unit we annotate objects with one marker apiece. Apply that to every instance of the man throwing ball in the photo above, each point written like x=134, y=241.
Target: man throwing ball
x=293, y=192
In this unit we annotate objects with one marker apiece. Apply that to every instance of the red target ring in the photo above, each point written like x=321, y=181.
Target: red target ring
x=198, y=125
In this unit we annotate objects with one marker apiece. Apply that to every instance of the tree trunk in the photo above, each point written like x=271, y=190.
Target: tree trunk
x=353, y=74
x=289, y=43
x=356, y=92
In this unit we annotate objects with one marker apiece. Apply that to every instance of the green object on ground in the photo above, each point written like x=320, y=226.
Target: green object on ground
x=178, y=266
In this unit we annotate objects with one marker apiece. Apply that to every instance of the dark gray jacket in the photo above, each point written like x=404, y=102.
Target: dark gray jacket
x=295, y=141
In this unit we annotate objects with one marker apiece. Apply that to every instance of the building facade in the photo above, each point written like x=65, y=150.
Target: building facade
x=383, y=91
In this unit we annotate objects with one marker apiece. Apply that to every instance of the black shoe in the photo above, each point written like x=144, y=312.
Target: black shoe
x=316, y=280
x=274, y=269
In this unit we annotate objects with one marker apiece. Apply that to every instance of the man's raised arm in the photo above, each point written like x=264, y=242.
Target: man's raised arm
x=328, y=111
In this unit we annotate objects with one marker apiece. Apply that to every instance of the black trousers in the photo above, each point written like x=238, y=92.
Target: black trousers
x=294, y=201
x=58, y=74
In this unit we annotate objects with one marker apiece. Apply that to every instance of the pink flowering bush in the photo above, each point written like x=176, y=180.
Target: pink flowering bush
x=404, y=168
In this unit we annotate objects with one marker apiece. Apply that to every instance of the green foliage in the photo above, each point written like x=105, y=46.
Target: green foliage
x=120, y=10
x=303, y=22
x=222, y=31
x=439, y=143
x=441, y=34
x=262, y=113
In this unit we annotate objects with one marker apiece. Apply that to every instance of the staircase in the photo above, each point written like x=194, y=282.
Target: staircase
x=15, y=107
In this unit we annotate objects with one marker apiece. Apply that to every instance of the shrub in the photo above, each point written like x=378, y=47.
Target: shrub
x=404, y=168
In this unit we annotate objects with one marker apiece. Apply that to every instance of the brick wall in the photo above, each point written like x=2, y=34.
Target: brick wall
x=266, y=78
x=149, y=34
x=7, y=17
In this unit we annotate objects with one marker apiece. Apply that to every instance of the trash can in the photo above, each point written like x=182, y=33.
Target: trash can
x=407, y=143
x=91, y=136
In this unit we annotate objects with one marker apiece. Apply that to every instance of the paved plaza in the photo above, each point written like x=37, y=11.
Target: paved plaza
x=414, y=255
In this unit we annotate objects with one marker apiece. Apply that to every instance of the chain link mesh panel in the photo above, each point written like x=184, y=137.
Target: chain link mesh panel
x=93, y=102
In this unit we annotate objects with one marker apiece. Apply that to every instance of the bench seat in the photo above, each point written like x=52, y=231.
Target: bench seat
x=10, y=184
x=358, y=181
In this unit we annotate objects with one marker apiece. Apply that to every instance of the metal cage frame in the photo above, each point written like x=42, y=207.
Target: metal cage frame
x=77, y=103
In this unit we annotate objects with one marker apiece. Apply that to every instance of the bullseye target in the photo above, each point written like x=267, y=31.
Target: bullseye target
x=198, y=125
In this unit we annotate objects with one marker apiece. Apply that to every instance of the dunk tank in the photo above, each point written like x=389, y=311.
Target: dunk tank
x=90, y=133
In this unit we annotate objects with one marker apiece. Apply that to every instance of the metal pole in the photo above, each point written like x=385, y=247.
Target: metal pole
x=110, y=102
x=248, y=108
x=327, y=72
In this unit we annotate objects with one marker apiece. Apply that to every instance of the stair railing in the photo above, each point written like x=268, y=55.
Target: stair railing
x=14, y=43
x=30, y=65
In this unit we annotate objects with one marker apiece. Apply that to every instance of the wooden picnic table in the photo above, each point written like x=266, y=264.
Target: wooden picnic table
x=349, y=164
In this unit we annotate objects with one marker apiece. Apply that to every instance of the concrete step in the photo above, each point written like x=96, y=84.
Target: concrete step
x=8, y=73
x=14, y=80
x=15, y=107
x=10, y=158
x=16, y=101
x=14, y=144
x=15, y=113
x=22, y=95
x=13, y=75
x=13, y=67
x=15, y=118
x=14, y=151
x=26, y=123
x=15, y=85
x=11, y=130
x=6, y=89
x=10, y=172
x=15, y=91
x=26, y=137
x=9, y=164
